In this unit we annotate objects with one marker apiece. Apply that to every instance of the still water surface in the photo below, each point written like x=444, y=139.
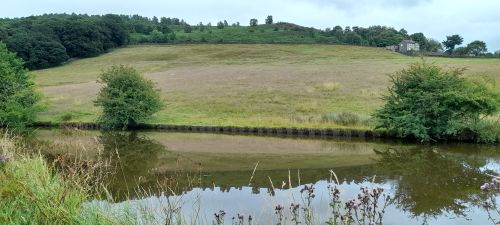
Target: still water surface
x=431, y=184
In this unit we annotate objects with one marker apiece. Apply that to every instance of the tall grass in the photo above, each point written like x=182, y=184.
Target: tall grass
x=34, y=192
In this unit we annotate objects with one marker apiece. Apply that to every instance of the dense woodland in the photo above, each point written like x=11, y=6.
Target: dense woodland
x=51, y=39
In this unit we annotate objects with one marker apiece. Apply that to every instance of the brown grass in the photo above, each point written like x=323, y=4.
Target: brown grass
x=244, y=85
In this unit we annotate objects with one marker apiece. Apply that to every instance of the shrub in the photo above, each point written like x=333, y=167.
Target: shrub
x=18, y=98
x=126, y=98
x=428, y=103
x=487, y=131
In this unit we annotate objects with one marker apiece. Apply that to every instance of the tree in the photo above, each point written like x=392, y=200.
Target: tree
x=269, y=20
x=477, y=48
x=420, y=39
x=154, y=20
x=353, y=38
x=18, y=98
x=187, y=28
x=253, y=22
x=452, y=41
x=220, y=25
x=127, y=98
x=404, y=32
x=497, y=53
x=433, y=45
x=226, y=24
x=117, y=28
x=158, y=37
x=428, y=103
x=338, y=32
x=461, y=51
x=36, y=49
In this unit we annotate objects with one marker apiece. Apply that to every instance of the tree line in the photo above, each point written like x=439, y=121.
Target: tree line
x=51, y=39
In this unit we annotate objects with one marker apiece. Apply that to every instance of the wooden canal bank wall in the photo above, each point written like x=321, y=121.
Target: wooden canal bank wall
x=271, y=131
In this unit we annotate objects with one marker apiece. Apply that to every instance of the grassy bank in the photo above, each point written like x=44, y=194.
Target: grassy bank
x=34, y=192
x=308, y=86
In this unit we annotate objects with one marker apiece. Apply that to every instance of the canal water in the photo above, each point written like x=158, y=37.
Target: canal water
x=192, y=176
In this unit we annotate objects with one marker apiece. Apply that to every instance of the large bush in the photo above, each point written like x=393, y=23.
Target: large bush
x=126, y=98
x=18, y=98
x=429, y=103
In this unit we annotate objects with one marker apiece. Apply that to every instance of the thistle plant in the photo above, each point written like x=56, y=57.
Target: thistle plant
x=278, y=210
x=491, y=189
x=240, y=220
x=368, y=208
x=294, y=211
x=308, y=195
x=219, y=218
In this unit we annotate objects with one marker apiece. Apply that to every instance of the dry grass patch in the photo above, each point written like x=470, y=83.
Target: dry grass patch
x=244, y=85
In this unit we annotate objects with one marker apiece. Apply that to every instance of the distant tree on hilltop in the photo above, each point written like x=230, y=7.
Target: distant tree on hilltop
x=253, y=22
x=269, y=19
x=220, y=25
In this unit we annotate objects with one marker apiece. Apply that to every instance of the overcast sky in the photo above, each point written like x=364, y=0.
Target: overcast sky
x=473, y=19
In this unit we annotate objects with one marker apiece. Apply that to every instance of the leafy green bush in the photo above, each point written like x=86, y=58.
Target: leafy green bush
x=18, y=98
x=126, y=99
x=428, y=103
x=487, y=131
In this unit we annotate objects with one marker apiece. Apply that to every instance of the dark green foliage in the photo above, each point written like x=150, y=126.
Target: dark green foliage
x=18, y=98
x=49, y=40
x=126, y=98
x=428, y=103
x=117, y=29
x=420, y=39
x=82, y=38
x=353, y=38
x=220, y=25
x=477, y=48
x=452, y=41
x=269, y=20
x=433, y=45
x=461, y=51
x=38, y=50
x=253, y=22
x=187, y=28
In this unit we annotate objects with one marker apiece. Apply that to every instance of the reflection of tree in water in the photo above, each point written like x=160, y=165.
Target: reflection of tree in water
x=429, y=182
x=134, y=156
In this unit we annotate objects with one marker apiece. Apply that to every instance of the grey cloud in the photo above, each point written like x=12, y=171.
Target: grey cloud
x=353, y=5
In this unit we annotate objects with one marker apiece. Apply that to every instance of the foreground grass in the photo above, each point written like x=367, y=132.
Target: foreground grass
x=246, y=85
x=32, y=192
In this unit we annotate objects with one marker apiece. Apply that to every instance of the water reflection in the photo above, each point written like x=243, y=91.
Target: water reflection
x=432, y=184
x=134, y=157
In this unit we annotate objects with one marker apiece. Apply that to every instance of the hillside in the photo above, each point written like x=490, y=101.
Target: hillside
x=244, y=85
x=261, y=34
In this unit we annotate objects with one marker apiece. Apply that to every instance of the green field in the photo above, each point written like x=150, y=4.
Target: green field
x=244, y=85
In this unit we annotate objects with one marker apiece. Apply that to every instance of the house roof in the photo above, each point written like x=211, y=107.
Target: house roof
x=408, y=42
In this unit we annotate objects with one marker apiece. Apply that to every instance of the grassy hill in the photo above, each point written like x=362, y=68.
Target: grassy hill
x=261, y=34
x=245, y=85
